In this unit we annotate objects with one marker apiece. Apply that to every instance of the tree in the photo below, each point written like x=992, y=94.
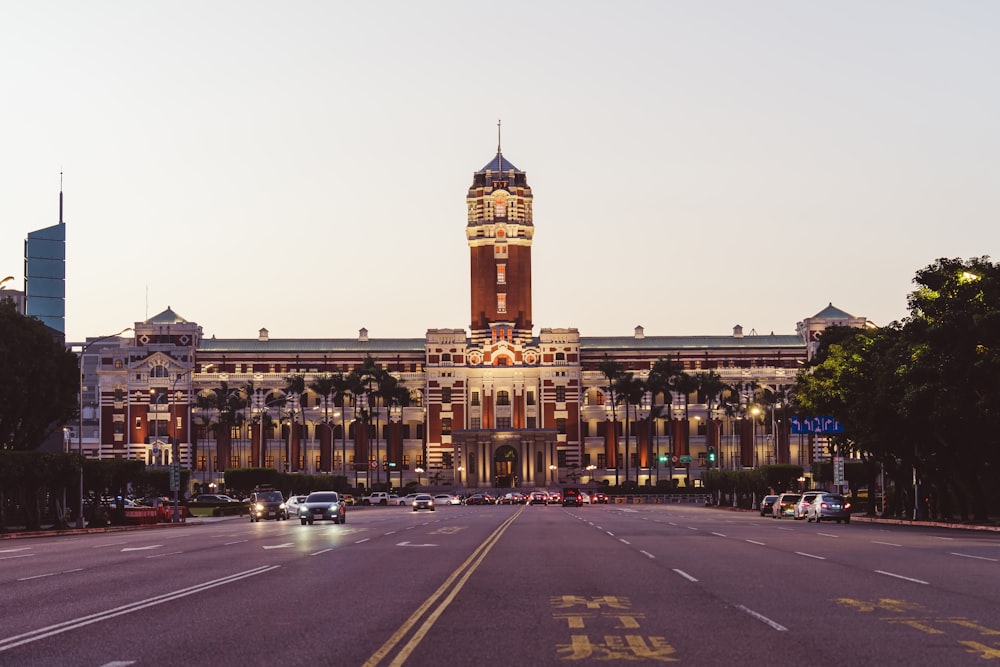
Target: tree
x=39, y=380
x=612, y=371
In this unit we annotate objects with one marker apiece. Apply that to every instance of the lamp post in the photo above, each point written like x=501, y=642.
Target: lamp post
x=175, y=447
x=79, y=430
x=552, y=472
x=419, y=471
x=754, y=411
x=395, y=416
x=590, y=472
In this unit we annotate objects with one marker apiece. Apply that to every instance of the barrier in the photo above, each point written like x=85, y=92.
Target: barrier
x=140, y=515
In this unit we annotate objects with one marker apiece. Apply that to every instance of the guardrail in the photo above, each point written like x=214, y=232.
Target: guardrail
x=664, y=499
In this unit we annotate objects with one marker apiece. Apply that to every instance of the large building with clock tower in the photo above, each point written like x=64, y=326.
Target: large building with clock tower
x=494, y=406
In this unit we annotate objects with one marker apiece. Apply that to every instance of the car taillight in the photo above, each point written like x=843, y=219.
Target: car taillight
x=847, y=506
x=823, y=505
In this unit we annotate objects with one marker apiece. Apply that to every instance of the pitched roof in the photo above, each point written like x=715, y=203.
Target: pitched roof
x=831, y=312
x=168, y=316
x=504, y=165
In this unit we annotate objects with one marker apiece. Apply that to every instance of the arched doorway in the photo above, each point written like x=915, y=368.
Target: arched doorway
x=505, y=468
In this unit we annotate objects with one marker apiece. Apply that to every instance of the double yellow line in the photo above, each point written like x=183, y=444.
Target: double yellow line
x=446, y=592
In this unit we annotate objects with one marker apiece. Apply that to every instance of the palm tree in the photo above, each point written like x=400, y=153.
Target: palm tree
x=711, y=385
x=204, y=405
x=612, y=371
x=295, y=387
x=661, y=378
x=324, y=386
x=630, y=392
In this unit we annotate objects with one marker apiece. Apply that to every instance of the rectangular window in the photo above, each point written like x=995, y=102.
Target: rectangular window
x=503, y=423
x=561, y=425
x=530, y=397
x=601, y=461
x=501, y=274
x=475, y=423
x=446, y=460
x=560, y=394
x=532, y=423
x=446, y=426
x=501, y=303
x=475, y=398
x=446, y=394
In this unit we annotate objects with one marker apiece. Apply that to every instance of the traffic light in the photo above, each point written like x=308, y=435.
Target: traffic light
x=711, y=456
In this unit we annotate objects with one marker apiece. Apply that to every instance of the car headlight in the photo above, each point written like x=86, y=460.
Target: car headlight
x=259, y=507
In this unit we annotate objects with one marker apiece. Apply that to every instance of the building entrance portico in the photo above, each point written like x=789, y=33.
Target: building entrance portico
x=506, y=459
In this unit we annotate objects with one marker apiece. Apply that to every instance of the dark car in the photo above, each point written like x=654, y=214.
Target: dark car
x=268, y=504
x=478, y=499
x=538, y=498
x=572, y=498
x=600, y=497
x=321, y=505
x=826, y=506
x=767, y=505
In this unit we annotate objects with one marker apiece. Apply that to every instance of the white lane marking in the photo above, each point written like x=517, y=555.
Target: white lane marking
x=75, y=569
x=624, y=541
x=685, y=575
x=151, y=546
x=10, y=551
x=899, y=576
x=786, y=529
x=108, y=544
x=763, y=619
x=8, y=643
x=994, y=560
x=360, y=541
x=17, y=556
x=610, y=533
x=888, y=544
x=236, y=542
x=692, y=528
x=321, y=551
x=278, y=546
x=828, y=535
x=757, y=543
x=803, y=553
x=39, y=576
x=938, y=537
x=171, y=553
x=719, y=534
x=391, y=532
x=646, y=553
x=119, y=663
x=407, y=544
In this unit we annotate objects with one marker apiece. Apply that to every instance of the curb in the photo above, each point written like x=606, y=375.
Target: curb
x=90, y=531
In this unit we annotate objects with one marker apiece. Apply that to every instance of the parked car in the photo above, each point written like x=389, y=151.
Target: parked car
x=408, y=498
x=803, y=503
x=320, y=505
x=347, y=499
x=447, y=499
x=214, y=498
x=268, y=504
x=829, y=506
x=422, y=501
x=538, y=498
x=767, y=504
x=572, y=498
x=785, y=505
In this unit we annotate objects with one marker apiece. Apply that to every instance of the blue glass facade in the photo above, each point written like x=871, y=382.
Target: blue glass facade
x=45, y=275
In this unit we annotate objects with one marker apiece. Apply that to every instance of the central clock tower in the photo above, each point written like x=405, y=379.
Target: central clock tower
x=499, y=232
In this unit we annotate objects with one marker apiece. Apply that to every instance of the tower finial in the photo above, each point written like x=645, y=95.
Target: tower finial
x=499, y=160
x=60, y=197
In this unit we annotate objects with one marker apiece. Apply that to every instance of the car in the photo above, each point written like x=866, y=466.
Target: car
x=538, y=498
x=767, y=505
x=785, y=505
x=572, y=498
x=347, y=499
x=478, y=499
x=803, y=503
x=585, y=497
x=214, y=498
x=321, y=505
x=422, y=501
x=267, y=504
x=555, y=498
x=600, y=498
x=829, y=506
x=514, y=498
x=395, y=500
x=408, y=498
x=447, y=499
x=292, y=504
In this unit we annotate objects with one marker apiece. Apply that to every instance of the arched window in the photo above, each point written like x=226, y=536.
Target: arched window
x=503, y=397
x=158, y=372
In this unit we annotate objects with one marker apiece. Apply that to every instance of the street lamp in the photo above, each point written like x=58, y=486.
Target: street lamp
x=175, y=447
x=590, y=472
x=79, y=430
x=552, y=472
x=419, y=471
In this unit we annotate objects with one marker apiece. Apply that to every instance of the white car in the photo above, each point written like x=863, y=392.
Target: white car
x=292, y=504
x=447, y=499
x=409, y=498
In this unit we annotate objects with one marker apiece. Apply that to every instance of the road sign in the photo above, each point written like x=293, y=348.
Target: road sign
x=175, y=476
x=838, y=469
x=674, y=459
x=373, y=464
x=685, y=459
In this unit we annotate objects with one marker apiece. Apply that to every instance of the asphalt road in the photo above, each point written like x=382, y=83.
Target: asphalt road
x=505, y=586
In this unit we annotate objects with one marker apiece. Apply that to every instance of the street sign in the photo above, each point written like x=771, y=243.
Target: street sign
x=685, y=459
x=674, y=459
x=838, y=469
x=175, y=476
x=373, y=464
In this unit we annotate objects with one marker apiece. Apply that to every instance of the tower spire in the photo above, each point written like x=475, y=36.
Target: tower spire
x=60, y=197
x=499, y=154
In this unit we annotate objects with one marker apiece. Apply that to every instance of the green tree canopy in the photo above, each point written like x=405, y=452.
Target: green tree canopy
x=39, y=380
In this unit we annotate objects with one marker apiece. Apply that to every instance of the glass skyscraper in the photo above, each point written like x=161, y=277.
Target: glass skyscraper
x=45, y=274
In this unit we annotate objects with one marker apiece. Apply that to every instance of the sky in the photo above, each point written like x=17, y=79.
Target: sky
x=303, y=166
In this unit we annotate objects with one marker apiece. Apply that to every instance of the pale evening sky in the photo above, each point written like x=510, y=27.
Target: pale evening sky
x=303, y=166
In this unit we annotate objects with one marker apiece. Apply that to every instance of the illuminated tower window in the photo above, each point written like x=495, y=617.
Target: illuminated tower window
x=500, y=250
x=501, y=274
x=501, y=303
x=500, y=206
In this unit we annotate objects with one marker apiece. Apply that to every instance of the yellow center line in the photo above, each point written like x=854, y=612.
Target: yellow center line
x=459, y=577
